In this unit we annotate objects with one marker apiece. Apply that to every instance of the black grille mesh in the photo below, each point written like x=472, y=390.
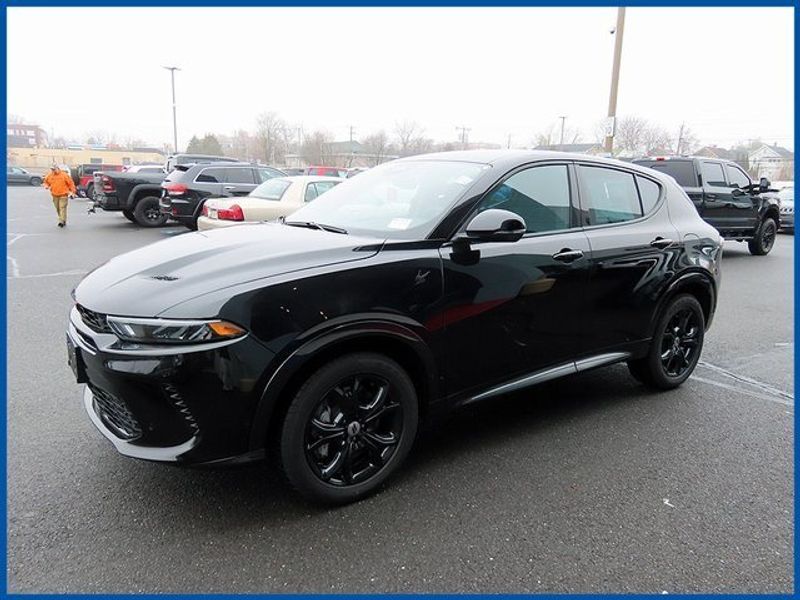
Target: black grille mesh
x=94, y=321
x=114, y=413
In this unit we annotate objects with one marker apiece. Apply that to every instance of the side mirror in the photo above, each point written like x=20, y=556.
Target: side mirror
x=764, y=183
x=496, y=225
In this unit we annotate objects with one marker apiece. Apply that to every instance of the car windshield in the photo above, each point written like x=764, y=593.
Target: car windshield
x=400, y=200
x=271, y=189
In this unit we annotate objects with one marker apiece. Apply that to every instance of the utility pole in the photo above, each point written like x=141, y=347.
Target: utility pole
x=680, y=140
x=508, y=145
x=612, y=101
x=561, y=144
x=174, y=112
x=464, y=131
x=350, y=162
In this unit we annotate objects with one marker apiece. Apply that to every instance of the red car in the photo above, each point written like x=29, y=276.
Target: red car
x=84, y=177
x=326, y=171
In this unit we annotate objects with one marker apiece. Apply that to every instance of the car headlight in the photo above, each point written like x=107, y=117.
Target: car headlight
x=172, y=331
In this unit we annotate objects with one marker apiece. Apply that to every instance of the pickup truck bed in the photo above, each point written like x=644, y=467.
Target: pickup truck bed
x=136, y=195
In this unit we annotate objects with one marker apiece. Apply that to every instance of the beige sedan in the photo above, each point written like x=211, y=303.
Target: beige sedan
x=276, y=197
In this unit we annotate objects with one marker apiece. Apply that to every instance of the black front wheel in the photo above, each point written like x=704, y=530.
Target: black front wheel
x=147, y=212
x=676, y=346
x=764, y=239
x=349, y=427
x=129, y=215
x=36, y=181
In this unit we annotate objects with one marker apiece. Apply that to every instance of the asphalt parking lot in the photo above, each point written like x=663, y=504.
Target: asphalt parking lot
x=586, y=484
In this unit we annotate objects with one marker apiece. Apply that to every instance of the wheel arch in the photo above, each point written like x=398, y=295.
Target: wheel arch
x=697, y=283
x=140, y=191
x=398, y=342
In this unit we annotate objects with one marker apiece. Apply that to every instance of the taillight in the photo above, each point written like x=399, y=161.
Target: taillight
x=233, y=213
x=175, y=189
x=204, y=212
x=108, y=185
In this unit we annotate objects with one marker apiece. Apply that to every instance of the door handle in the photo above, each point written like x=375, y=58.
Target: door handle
x=568, y=255
x=229, y=187
x=661, y=243
x=711, y=196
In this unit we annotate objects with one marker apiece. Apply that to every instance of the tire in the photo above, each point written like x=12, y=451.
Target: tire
x=147, y=213
x=90, y=192
x=670, y=362
x=350, y=453
x=129, y=215
x=36, y=181
x=764, y=239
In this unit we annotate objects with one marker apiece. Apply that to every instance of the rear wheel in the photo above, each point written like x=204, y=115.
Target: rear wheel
x=676, y=346
x=764, y=239
x=37, y=181
x=129, y=215
x=90, y=191
x=147, y=212
x=349, y=428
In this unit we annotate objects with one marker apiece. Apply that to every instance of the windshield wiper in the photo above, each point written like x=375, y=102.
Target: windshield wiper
x=313, y=225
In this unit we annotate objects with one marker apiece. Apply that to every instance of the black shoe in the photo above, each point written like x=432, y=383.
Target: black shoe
x=61, y=224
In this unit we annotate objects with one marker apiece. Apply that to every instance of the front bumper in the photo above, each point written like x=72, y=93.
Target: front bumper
x=787, y=220
x=183, y=404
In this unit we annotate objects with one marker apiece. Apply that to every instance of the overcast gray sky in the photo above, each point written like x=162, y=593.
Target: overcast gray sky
x=726, y=72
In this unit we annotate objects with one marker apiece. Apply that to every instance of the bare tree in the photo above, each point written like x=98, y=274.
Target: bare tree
x=551, y=136
x=411, y=138
x=377, y=144
x=316, y=147
x=686, y=142
x=271, y=134
x=630, y=135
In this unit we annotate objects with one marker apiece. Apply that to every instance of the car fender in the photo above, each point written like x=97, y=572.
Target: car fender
x=377, y=328
x=146, y=187
x=686, y=279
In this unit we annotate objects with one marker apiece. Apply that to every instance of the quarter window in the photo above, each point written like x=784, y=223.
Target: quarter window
x=649, y=192
x=540, y=195
x=737, y=178
x=211, y=176
x=608, y=196
x=267, y=173
x=713, y=175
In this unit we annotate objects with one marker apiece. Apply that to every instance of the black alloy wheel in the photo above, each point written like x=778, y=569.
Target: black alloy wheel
x=679, y=342
x=349, y=428
x=147, y=212
x=676, y=346
x=764, y=239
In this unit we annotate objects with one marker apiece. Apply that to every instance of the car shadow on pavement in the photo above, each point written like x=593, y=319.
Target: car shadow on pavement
x=257, y=494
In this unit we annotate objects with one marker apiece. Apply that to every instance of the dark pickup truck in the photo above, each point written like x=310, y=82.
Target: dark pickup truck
x=725, y=197
x=136, y=195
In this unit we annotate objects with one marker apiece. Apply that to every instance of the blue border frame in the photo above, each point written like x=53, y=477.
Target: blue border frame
x=354, y=3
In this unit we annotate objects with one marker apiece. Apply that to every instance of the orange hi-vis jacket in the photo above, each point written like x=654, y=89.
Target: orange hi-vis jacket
x=59, y=184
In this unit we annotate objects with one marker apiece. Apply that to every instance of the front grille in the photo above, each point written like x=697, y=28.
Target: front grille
x=115, y=414
x=97, y=322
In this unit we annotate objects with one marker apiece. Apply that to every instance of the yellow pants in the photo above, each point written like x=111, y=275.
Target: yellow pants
x=60, y=202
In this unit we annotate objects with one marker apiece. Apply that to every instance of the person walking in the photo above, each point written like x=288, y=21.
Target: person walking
x=61, y=188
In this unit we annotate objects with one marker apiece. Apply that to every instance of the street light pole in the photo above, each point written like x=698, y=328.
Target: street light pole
x=561, y=145
x=174, y=111
x=612, y=101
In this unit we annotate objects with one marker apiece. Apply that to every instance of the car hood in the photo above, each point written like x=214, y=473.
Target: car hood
x=150, y=280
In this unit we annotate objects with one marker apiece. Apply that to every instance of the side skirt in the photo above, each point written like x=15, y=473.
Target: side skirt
x=568, y=368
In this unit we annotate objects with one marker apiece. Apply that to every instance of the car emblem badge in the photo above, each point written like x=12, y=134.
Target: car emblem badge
x=353, y=428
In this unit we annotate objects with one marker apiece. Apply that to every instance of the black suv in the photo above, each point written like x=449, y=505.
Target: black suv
x=423, y=284
x=186, y=189
x=725, y=197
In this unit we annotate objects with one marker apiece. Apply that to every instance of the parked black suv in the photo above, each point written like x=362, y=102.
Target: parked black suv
x=186, y=189
x=422, y=284
x=725, y=197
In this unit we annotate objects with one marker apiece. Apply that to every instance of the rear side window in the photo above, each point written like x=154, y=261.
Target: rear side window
x=649, y=191
x=540, y=195
x=712, y=174
x=681, y=170
x=608, y=196
x=266, y=173
x=212, y=175
x=239, y=175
